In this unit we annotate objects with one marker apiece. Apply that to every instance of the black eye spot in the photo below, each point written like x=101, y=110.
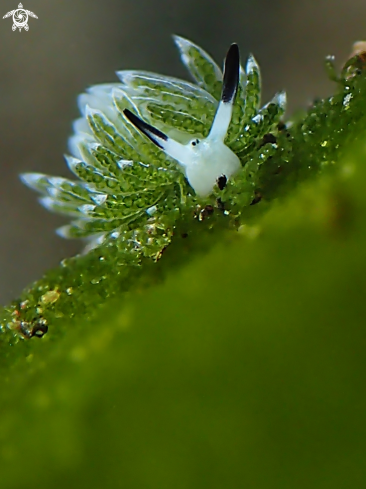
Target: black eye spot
x=221, y=182
x=195, y=142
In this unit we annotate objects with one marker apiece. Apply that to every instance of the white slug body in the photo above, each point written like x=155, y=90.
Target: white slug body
x=204, y=160
x=126, y=187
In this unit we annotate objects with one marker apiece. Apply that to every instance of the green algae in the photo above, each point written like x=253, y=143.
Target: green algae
x=245, y=366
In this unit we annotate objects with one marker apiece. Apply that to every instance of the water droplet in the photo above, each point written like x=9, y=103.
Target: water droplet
x=50, y=297
x=69, y=291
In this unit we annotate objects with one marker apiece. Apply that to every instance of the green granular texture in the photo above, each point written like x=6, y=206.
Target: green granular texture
x=203, y=71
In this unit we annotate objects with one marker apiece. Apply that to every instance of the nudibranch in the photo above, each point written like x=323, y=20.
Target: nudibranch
x=151, y=147
x=204, y=160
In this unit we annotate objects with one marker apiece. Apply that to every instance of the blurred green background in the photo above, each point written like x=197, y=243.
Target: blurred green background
x=244, y=369
x=74, y=44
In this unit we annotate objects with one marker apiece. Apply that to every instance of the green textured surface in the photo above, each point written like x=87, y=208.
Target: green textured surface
x=244, y=369
x=237, y=360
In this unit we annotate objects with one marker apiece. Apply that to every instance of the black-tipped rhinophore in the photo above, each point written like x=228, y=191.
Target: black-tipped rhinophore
x=151, y=132
x=231, y=74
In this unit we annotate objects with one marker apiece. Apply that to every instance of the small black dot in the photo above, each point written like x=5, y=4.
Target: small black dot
x=221, y=182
